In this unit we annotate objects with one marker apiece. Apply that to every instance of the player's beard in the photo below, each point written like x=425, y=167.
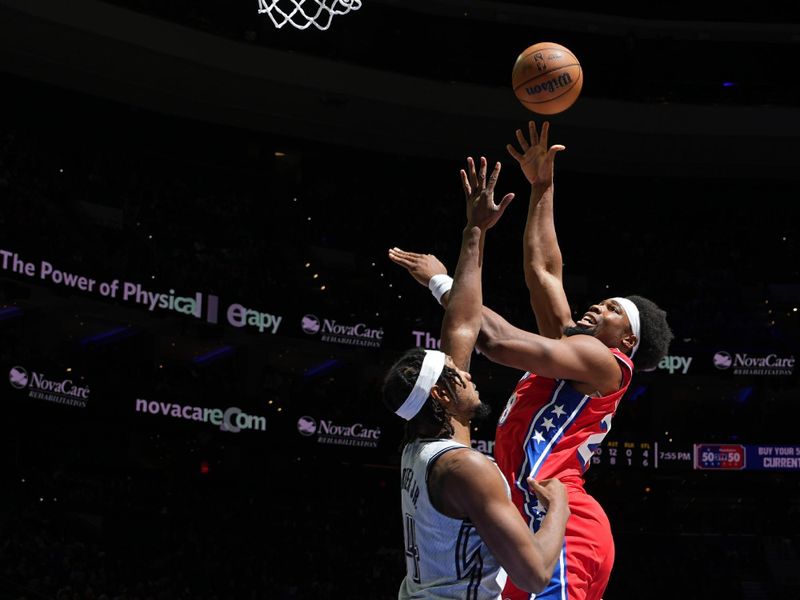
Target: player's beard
x=482, y=411
x=580, y=330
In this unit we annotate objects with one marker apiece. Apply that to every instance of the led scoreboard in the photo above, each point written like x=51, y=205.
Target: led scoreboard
x=624, y=454
x=641, y=455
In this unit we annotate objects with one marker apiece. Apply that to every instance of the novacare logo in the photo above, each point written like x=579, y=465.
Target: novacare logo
x=18, y=378
x=65, y=386
x=307, y=426
x=64, y=391
x=723, y=360
x=745, y=364
x=328, y=432
x=310, y=324
x=333, y=331
x=232, y=419
x=355, y=431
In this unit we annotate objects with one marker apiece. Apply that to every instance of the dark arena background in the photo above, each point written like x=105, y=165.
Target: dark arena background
x=197, y=309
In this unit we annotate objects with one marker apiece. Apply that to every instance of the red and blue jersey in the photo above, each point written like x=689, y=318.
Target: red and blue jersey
x=549, y=429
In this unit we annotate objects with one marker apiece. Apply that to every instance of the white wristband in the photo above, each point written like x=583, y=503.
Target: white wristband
x=439, y=285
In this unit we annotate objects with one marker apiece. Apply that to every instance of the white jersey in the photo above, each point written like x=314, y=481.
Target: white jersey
x=445, y=557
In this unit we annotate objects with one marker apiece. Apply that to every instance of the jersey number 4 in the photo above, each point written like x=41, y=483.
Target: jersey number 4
x=469, y=562
x=412, y=551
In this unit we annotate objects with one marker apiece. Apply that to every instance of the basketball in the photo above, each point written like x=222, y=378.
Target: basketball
x=547, y=78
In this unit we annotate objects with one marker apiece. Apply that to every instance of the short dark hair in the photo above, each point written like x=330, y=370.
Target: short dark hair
x=655, y=334
x=399, y=382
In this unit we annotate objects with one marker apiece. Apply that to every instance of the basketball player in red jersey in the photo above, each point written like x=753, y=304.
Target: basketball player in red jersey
x=576, y=375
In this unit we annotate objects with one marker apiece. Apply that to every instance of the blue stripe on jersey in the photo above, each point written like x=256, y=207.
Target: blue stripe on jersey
x=557, y=588
x=546, y=428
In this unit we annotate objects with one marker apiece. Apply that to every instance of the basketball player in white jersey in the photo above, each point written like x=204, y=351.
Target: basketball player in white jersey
x=463, y=535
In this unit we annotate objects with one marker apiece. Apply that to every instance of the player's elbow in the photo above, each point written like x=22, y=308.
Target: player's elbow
x=461, y=335
x=534, y=275
x=538, y=585
x=533, y=580
x=492, y=337
x=491, y=347
x=539, y=272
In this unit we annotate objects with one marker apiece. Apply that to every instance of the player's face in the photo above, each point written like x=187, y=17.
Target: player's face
x=468, y=399
x=606, y=321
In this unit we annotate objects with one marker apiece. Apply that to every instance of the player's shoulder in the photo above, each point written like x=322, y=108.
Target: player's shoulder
x=461, y=466
x=462, y=480
x=461, y=457
x=463, y=477
x=600, y=363
x=622, y=357
x=590, y=348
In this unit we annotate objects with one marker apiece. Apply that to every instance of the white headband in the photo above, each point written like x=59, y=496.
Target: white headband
x=429, y=374
x=633, y=316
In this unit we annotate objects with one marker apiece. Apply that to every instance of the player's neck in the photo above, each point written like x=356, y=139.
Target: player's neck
x=461, y=432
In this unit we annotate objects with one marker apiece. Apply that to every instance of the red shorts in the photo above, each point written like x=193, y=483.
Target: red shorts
x=584, y=567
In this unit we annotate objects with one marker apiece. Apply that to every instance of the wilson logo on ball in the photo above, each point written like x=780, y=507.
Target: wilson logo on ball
x=549, y=86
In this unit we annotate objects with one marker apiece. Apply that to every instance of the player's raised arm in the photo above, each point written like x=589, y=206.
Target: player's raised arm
x=581, y=359
x=585, y=361
x=422, y=267
x=462, y=319
x=541, y=252
x=431, y=273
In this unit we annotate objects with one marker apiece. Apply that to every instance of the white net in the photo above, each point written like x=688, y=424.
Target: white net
x=304, y=13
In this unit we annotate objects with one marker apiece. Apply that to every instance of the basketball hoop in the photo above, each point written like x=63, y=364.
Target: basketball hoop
x=303, y=13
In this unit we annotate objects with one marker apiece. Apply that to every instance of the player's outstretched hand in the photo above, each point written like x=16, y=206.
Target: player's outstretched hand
x=550, y=492
x=536, y=159
x=421, y=266
x=482, y=212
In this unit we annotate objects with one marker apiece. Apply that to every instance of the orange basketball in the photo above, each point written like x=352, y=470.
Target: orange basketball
x=547, y=78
